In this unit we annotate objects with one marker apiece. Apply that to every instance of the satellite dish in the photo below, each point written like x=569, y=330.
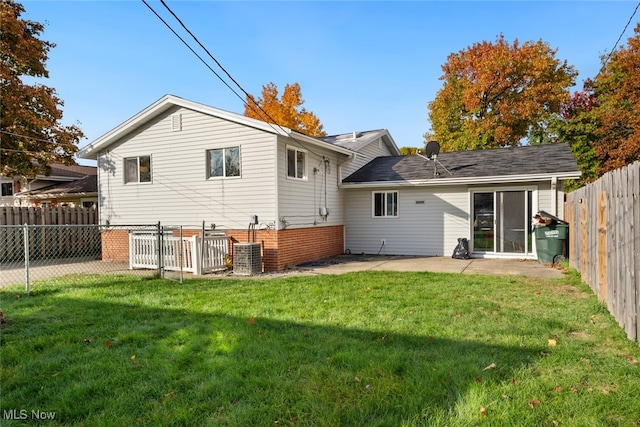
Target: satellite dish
x=432, y=149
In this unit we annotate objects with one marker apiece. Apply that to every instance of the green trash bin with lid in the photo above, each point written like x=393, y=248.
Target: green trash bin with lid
x=551, y=242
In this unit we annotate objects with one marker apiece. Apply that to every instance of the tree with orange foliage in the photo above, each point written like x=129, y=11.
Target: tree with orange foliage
x=497, y=94
x=32, y=135
x=617, y=90
x=285, y=111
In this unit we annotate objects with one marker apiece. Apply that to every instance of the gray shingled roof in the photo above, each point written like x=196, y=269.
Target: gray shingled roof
x=88, y=184
x=552, y=159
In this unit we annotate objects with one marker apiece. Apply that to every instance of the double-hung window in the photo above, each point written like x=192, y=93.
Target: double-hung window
x=385, y=204
x=223, y=162
x=296, y=163
x=137, y=169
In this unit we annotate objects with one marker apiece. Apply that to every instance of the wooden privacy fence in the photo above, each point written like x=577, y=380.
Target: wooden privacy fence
x=604, y=242
x=190, y=254
x=61, y=215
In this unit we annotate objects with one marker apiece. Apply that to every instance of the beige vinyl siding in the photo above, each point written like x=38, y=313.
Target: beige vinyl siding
x=180, y=192
x=299, y=200
x=429, y=221
x=376, y=148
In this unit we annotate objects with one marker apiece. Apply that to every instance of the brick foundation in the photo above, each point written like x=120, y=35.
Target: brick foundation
x=115, y=245
x=281, y=249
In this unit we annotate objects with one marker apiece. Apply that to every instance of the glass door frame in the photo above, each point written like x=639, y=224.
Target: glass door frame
x=527, y=221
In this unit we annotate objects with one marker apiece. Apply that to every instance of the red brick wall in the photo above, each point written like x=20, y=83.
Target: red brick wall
x=280, y=248
x=115, y=245
x=285, y=248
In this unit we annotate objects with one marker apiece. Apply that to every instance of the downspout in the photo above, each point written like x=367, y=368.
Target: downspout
x=344, y=196
x=554, y=195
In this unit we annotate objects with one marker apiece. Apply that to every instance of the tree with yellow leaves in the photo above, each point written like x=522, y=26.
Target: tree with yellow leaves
x=285, y=111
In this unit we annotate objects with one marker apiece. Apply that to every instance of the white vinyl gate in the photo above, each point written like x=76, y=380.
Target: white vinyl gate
x=190, y=254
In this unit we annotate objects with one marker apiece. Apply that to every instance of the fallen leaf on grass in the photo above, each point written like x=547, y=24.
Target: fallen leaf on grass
x=356, y=379
x=631, y=360
x=108, y=343
x=552, y=343
x=368, y=386
x=483, y=412
x=133, y=357
x=557, y=389
x=251, y=320
x=478, y=379
x=534, y=403
x=493, y=365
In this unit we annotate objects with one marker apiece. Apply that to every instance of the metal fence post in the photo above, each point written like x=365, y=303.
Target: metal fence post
x=26, y=258
x=181, y=256
x=160, y=243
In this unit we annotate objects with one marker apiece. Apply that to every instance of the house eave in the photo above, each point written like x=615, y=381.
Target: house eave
x=299, y=137
x=448, y=181
x=91, y=150
x=27, y=196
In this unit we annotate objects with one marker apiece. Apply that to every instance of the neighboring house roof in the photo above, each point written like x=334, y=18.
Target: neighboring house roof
x=355, y=141
x=88, y=185
x=168, y=102
x=478, y=166
x=68, y=171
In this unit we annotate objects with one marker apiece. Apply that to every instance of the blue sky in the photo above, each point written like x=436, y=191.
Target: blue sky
x=361, y=65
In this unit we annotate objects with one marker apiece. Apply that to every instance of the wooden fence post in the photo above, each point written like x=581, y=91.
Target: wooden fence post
x=602, y=246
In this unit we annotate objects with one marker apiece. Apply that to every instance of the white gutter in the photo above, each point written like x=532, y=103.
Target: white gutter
x=443, y=181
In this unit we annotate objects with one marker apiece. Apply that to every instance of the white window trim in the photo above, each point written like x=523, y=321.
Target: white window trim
x=373, y=204
x=224, y=164
x=534, y=208
x=305, y=176
x=138, y=182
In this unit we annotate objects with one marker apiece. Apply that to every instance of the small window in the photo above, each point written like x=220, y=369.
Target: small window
x=137, y=169
x=7, y=188
x=223, y=162
x=385, y=204
x=296, y=163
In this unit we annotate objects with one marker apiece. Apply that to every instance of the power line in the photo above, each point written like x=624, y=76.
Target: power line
x=35, y=139
x=225, y=71
x=191, y=49
x=606, y=60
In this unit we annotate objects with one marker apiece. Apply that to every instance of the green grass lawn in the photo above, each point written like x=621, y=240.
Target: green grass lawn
x=360, y=349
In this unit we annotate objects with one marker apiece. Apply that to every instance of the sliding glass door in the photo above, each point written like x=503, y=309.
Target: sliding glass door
x=501, y=221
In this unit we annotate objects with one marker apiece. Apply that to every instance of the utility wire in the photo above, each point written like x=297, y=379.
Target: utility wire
x=606, y=60
x=225, y=71
x=191, y=49
x=34, y=139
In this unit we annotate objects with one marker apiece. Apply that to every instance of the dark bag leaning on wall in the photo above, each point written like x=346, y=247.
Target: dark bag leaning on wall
x=462, y=249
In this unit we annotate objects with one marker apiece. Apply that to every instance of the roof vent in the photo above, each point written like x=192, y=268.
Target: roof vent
x=349, y=136
x=176, y=122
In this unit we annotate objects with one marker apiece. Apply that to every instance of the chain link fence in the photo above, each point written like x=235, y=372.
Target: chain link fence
x=33, y=253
